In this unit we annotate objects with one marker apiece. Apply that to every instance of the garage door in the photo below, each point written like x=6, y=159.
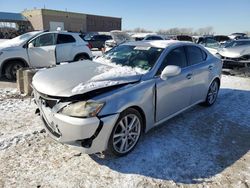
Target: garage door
x=55, y=25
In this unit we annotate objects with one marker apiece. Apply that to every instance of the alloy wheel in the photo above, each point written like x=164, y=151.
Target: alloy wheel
x=212, y=93
x=126, y=133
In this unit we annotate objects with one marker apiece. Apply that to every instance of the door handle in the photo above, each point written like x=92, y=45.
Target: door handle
x=189, y=76
x=210, y=67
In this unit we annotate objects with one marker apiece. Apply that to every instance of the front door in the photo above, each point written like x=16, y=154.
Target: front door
x=173, y=94
x=41, y=50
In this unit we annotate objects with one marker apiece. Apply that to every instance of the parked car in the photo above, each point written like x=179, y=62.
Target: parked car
x=41, y=49
x=209, y=43
x=221, y=38
x=235, y=36
x=146, y=36
x=97, y=41
x=118, y=37
x=107, y=104
x=183, y=38
x=236, y=53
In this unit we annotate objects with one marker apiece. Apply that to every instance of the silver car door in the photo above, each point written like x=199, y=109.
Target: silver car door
x=41, y=50
x=65, y=43
x=201, y=72
x=173, y=94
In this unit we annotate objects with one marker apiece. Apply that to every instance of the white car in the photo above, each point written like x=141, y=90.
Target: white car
x=118, y=37
x=41, y=49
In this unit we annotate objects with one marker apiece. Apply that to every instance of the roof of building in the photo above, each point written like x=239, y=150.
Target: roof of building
x=12, y=16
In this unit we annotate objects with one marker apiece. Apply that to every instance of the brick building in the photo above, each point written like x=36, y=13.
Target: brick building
x=46, y=19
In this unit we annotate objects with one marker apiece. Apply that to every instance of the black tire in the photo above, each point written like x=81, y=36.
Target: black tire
x=212, y=94
x=131, y=143
x=81, y=57
x=11, y=69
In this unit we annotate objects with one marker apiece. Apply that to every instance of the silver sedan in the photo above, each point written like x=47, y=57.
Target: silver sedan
x=108, y=103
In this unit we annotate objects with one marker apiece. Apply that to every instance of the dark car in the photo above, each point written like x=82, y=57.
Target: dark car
x=97, y=41
x=221, y=38
x=184, y=38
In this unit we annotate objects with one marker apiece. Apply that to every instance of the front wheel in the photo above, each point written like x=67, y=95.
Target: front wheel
x=11, y=69
x=212, y=93
x=126, y=133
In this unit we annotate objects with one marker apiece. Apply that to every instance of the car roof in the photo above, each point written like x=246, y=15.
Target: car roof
x=241, y=40
x=157, y=43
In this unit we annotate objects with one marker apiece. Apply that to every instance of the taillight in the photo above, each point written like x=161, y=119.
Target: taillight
x=89, y=45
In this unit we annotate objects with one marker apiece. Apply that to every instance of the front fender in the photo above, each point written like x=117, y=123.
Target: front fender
x=141, y=95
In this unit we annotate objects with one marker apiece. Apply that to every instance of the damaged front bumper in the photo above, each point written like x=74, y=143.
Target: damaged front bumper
x=235, y=62
x=88, y=135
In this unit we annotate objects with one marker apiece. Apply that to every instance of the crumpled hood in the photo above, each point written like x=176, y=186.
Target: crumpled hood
x=235, y=52
x=81, y=77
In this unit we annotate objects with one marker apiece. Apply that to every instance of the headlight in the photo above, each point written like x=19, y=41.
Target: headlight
x=82, y=109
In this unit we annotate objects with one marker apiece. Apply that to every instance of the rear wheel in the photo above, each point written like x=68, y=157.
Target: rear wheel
x=81, y=57
x=11, y=69
x=212, y=93
x=126, y=133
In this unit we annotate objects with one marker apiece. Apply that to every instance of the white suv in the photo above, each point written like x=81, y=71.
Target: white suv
x=41, y=49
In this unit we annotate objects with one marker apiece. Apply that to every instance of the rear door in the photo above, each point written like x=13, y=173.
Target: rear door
x=173, y=94
x=201, y=72
x=42, y=51
x=64, y=46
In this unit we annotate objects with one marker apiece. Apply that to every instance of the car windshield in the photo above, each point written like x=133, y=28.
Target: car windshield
x=20, y=39
x=237, y=43
x=142, y=57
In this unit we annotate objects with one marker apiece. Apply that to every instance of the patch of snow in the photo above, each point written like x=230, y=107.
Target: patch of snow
x=8, y=93
x=117, y=72
x=106, y=78
x=85, y=87
x=107, y=62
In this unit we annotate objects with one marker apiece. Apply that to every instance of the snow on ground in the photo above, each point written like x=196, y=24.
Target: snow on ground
x=202, y=147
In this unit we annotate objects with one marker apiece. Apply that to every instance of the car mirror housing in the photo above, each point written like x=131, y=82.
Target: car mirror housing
x=30, y=45
x=170, y=70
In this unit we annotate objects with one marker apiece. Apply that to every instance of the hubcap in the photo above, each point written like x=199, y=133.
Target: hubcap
x=127, y=133
x=213, y=91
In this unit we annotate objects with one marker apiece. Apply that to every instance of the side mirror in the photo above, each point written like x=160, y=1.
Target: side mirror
x=170, y=70
x=31, y=45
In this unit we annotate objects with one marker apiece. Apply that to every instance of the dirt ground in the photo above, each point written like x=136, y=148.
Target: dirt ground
x=202, y=147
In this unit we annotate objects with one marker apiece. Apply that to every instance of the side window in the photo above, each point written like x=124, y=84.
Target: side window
x=194, y=55
x=64, y=38
x=44, y=40
x=175, y=57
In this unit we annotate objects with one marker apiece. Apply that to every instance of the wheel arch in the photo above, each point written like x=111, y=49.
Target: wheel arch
x=80, y=54
x=5, y=63
x=140, y=110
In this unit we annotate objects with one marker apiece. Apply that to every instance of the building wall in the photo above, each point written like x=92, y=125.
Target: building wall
x=41, y=19
x=102, y=23
x=72, y=21
x=35, y=18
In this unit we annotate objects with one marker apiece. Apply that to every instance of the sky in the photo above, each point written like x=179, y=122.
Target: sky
x=225, y=16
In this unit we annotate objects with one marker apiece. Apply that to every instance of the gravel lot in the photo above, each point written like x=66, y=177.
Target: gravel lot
x=202, y=147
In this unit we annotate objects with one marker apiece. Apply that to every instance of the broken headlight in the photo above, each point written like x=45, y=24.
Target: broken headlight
x=82, y=109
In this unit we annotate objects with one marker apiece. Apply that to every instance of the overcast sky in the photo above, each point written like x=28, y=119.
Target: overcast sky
x=225, y=16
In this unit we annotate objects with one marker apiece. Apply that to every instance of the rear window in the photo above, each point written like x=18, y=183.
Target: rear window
x=64, y=38
x=195, y=55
